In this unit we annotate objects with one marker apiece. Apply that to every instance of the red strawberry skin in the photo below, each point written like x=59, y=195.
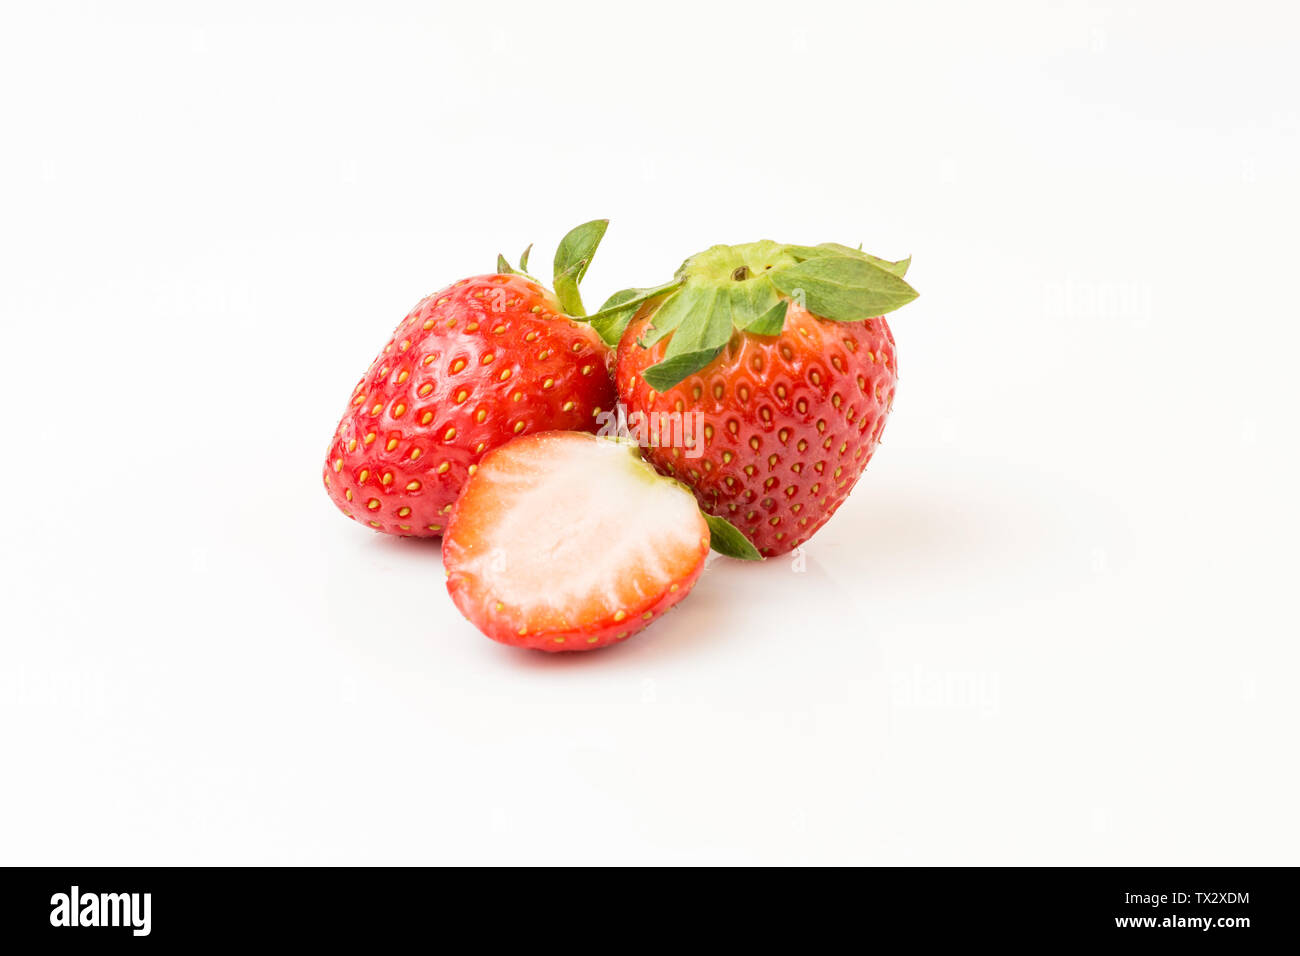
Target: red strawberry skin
x=790, y=421
x=471, y=367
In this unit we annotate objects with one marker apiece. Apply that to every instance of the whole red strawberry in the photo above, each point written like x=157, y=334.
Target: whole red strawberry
x=471, y=367
x=783, y=352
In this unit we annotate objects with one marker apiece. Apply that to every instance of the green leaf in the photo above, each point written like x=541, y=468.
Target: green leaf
x=726, y=538
x=706, y=328
x=770, y=322
x=843, y=288
x=752, y=299
x=577, y=247
x=503, y=267
x=672, y=371
x=898, y=268
x=571, y=261
x=619, y=308
x=523, y=260
x=673, y=310
x=837, y=249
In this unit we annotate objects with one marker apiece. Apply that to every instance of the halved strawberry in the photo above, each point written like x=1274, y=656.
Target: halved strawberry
x=563, y=541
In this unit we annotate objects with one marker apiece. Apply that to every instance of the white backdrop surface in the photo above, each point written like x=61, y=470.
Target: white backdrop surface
x=1055, y=623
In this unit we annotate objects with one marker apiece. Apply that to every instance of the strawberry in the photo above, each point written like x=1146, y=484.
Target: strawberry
x=563, y=541
x=784, y=352
x=471, y=367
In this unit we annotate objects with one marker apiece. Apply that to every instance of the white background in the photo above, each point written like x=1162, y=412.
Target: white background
x=1054, y=624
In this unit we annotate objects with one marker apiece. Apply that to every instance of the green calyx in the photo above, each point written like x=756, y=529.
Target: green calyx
x=748, y=288
x=572, y=257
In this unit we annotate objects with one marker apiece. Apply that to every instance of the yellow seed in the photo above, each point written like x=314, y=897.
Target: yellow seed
x=505, y=374
x=373, y=524
x=569, y=406
x=449, y=434
x=472, y=327
x=487, y=359
x=373, y=504
x=338, y=464
x=425, y=389
x=547, y=383
x=592, y=640
x=558, y=640
x=428, y=325
x=399, y=410
x=442, y=469
x=415, y=453
x=499, y=606
x=347, y=493
x=358, y=400
x=518, y=396
x=403, y=512
x=586, y=369
x=392, y=443
x=435, y=527
x=405, y=527
x=412, y=486
x=361, y=478
x=387, y=478
x=519, y=426
x=457, y=365
x=352, y=444
x=480, y=415
x=429, y=359
x=647, y=615
x=406, y=344
x=473, y=468
x=426, y=418
x=675, y=587
x=619, y=615
x=497, y=330
x=447, y=510
x=376, y=408
x=402, y=376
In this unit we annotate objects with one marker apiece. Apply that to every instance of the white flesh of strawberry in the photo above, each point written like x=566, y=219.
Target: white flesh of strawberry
x=565, y=530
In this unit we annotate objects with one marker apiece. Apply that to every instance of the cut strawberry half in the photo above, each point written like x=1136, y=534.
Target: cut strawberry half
x=563, y=541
